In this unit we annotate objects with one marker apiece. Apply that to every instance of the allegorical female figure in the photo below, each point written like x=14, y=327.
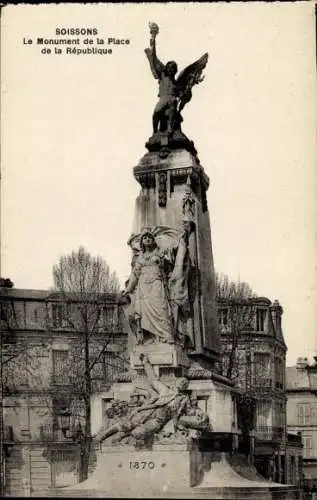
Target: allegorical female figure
x=149, y=288
x=160, y=304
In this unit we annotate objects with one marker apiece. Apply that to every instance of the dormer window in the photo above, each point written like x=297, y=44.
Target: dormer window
x=57, y=315
x=260, y=319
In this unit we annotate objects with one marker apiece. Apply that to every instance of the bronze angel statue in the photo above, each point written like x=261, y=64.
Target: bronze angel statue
x=174, y=93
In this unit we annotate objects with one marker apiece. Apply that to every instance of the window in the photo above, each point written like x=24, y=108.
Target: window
x=279, y=373
x=60, y=367
x=108, y=318
x=57, y=315
x=223, y=316
x=307, y=442
x=303, y=412
x=262, y=369
x=3, y=312
x=113, y=364
x=260, y=319
x=264, y=416
x=280, y=414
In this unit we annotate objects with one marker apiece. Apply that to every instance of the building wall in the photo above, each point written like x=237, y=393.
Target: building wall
x=46, y=460
x=259, y=373
x=302, y=411
x=41, y=456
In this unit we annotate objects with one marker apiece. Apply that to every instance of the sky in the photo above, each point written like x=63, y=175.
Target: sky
x=74, y=126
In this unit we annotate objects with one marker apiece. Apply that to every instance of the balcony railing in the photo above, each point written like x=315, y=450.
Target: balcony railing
x=262, y=383
x=63, y=379
x=268, y=433
x=294, y=438
x=51, y=433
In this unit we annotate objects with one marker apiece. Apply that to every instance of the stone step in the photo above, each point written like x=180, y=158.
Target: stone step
x=227, y=493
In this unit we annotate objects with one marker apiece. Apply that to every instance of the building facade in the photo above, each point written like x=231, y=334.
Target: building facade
x=301, y=385
x=43, y=418
x=42, y=405
x=254, y=354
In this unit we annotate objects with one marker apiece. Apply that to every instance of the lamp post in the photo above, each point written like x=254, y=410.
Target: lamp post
x=79, y=437
x=63, y=418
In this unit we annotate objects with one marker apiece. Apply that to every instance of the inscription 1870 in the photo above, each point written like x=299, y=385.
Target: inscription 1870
x=142, y=465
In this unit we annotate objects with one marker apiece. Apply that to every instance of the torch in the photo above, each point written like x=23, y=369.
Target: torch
x=154, y=29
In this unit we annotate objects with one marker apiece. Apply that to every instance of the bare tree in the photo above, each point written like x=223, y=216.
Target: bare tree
x=86, y=306
x=19, y=356
x=236, y=312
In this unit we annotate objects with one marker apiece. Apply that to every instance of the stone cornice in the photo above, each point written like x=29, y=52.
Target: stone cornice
x=151, y=164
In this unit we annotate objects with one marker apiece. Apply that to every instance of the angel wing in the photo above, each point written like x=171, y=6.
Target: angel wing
x=190, y=76
x=166, y=238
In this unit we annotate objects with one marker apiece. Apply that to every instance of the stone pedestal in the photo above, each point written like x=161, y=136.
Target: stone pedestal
x=214, y=396
x=142, y=473
x=173, y=189
x=175, y=471
x=167, y=359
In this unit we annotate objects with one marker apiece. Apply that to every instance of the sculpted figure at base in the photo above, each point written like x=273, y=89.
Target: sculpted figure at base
x=181, y=291
x=174, y=94
x=158, y=284
x=168, y=404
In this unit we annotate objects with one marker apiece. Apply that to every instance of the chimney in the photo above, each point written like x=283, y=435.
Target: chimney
x=302, y=363
x=276, y=312
x=6, y=283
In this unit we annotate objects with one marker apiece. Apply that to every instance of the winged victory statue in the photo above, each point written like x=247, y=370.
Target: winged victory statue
x=174, y=93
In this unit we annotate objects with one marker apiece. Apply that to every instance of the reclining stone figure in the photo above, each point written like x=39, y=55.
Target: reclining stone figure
x=169, y=404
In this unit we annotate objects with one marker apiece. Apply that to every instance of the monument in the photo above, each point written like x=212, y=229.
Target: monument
x=169, y=427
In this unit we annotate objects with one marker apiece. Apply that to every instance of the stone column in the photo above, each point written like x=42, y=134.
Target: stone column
x=274, y=469
x=279, y=468
x=173, y=190
x=297, y=475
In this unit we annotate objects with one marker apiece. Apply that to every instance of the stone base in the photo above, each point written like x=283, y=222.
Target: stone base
x=165, y=358
x=214, y=396
x=165, y=143
x=175, y=472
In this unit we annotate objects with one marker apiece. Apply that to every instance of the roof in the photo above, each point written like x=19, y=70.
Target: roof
x=38, y=295
x=297, y=378
x=24, y=293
